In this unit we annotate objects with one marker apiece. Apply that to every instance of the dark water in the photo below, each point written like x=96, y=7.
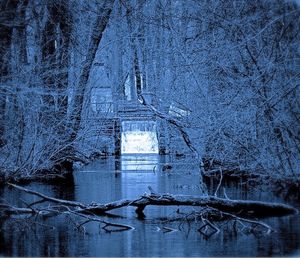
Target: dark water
x=107, y=180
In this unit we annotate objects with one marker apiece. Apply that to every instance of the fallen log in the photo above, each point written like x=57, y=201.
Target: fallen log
x=241, y=211
x=240, y=207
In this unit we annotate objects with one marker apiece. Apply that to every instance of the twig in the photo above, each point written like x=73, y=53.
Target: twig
x=224, y=191
x=269, y=229
x=220, y=182
x=121, y=227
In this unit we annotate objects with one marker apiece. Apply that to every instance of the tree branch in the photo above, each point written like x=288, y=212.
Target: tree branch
x=241, y=207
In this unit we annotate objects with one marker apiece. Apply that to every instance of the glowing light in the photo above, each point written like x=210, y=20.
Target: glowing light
x=139, y=142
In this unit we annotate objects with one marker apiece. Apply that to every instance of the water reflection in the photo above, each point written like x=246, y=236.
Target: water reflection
x=113, y=179
x=139, y=162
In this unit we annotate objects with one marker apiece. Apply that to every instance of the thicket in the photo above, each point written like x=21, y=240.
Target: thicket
x=233, y=64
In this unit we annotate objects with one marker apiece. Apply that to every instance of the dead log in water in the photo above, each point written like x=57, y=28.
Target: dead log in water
x=240, y=207
x=237, y=210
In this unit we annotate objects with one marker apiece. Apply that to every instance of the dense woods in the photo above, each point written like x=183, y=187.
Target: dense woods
x=234, y=65
x=196, y=100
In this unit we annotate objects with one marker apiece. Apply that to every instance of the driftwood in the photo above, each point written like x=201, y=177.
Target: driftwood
x=62, y=207
x=240, y=207
x=241, y=211
x=256, y=208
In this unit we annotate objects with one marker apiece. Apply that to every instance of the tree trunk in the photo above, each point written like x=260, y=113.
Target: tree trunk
x=8, y=12
x=97, y=33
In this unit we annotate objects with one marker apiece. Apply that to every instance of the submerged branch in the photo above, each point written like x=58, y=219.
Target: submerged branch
x=237, y=210
x=240, y=207
x=48, y=198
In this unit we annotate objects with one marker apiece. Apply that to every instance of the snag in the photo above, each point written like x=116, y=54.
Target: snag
x=240, y=210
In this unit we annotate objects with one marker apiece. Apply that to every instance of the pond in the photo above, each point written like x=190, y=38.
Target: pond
x=112, y=179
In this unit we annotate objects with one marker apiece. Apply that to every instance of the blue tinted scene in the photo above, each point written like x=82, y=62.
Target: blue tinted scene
x=149, y=128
